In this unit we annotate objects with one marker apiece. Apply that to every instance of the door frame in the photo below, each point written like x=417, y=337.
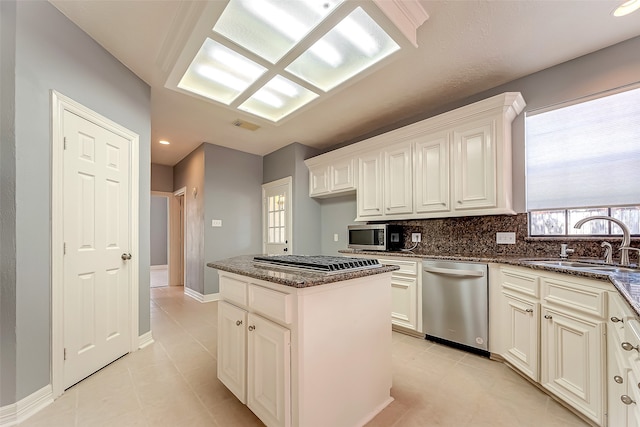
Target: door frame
x=60, y=104
x=289, y=182
x=175, y=251
x=168, y=197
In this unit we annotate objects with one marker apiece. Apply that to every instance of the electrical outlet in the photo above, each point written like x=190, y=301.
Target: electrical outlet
x=216, y=223
x=506, y=238
x=416, y=237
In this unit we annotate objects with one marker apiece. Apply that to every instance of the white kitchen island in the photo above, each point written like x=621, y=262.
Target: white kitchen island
x=303, y=348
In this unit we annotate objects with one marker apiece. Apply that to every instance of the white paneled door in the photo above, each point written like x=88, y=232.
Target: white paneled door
x=276, y=217
x=97, y=253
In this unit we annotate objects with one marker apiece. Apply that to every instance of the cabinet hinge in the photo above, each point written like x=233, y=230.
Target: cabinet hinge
x=64, y=144
x=64, y=248
x=65, y=354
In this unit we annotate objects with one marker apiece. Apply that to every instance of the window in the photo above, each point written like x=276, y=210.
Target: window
x=582, y=160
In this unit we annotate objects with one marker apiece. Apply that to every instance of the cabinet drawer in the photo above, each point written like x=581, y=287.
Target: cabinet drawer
x=233, y=290
x=520, y=282
x=619, y=314
x=575, y=297
x=274, y=304
x=406, y=267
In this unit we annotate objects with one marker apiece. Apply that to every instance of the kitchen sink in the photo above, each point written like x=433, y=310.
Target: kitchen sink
x=583, y=266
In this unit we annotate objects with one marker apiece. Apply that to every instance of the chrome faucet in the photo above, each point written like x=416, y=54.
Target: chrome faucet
x=626, y=234
x=608, y=252
x=628, y=248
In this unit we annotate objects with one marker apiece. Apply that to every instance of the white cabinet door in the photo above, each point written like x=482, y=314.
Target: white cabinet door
x=398, y=190
x=404, y=305
x=369, y=185
x=521, y=333
x=269, y=371
x=474, y=165
x=342, y=176
x=432, y=173
x=318, y=181
x=572, y=361
x=232, y=350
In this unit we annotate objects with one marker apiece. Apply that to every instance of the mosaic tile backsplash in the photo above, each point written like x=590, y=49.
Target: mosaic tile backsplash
x=477, y=236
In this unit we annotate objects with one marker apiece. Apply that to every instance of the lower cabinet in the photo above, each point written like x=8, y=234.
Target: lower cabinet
x=232, y=354
x=572, y=361
x=254, y=363
x=406, y=291
x=269, y=371
x=311, y=356
x=623, y=365
x=522, y=334
x=554, y=332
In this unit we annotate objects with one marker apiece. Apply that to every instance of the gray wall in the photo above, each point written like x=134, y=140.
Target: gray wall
x=289, y=161
x=336, y=214
x=161, y=178
x=7, y=205
x=233, y=194
x=52, y=53
x=159, y=229
x=189, y=173
x=608, y=68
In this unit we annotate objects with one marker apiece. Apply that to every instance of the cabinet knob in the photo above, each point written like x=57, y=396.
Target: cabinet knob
x=238, y=322
x=628, y=347
x=546, y=316
x=626, y=399
x=252, y=327
x=615, y=319
x=529, y=310
x=618, y=379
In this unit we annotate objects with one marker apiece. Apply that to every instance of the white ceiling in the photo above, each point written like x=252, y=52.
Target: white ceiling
x=465, y=47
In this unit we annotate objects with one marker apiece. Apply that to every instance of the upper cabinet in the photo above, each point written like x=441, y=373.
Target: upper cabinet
x=454, y=164
x=331, y=177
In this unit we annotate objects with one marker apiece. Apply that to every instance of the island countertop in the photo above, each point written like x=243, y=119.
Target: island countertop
x=246, y=266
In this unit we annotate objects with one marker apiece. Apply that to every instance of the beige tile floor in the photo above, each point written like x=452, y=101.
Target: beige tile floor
x=173, y=383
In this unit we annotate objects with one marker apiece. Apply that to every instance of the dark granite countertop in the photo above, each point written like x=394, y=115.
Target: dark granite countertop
x=628, y=284
x=244, y=265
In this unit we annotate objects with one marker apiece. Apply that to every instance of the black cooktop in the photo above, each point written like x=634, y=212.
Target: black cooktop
x=321, y=263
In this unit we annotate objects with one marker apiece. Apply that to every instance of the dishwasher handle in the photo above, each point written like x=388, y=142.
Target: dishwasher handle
x=453, y=272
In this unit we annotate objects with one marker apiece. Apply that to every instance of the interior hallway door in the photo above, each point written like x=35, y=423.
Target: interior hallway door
x=97, y=229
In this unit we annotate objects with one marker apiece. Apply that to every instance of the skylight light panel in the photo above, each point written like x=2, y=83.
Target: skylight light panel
x=277, y=99
x=271, y=28
x=219, y=73
x=358, y=41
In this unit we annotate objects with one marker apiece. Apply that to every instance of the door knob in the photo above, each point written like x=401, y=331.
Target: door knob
x=616, y=319
x=125, y=256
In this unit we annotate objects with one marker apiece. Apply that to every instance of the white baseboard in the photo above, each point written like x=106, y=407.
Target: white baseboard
x=200, y=297
x=145, y=340
x=15, y=413
x=159, y=267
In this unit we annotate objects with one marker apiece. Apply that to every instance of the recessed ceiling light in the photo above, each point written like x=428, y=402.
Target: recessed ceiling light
x=627, y=8
x=163, y=142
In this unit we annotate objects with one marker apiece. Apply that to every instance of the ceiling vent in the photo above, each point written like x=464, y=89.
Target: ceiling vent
x=245, y=125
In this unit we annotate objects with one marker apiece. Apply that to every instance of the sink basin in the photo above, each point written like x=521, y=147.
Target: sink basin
x=583, y=266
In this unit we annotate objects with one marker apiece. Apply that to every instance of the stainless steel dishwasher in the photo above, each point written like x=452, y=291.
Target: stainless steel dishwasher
x=455, y=304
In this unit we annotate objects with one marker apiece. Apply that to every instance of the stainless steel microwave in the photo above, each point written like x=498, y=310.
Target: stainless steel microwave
x=376, y=237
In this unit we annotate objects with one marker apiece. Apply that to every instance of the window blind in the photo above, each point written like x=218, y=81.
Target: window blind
x=585, y=154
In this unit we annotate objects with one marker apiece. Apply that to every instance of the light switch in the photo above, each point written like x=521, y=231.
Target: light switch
x=216, y=223
x=335, y=237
